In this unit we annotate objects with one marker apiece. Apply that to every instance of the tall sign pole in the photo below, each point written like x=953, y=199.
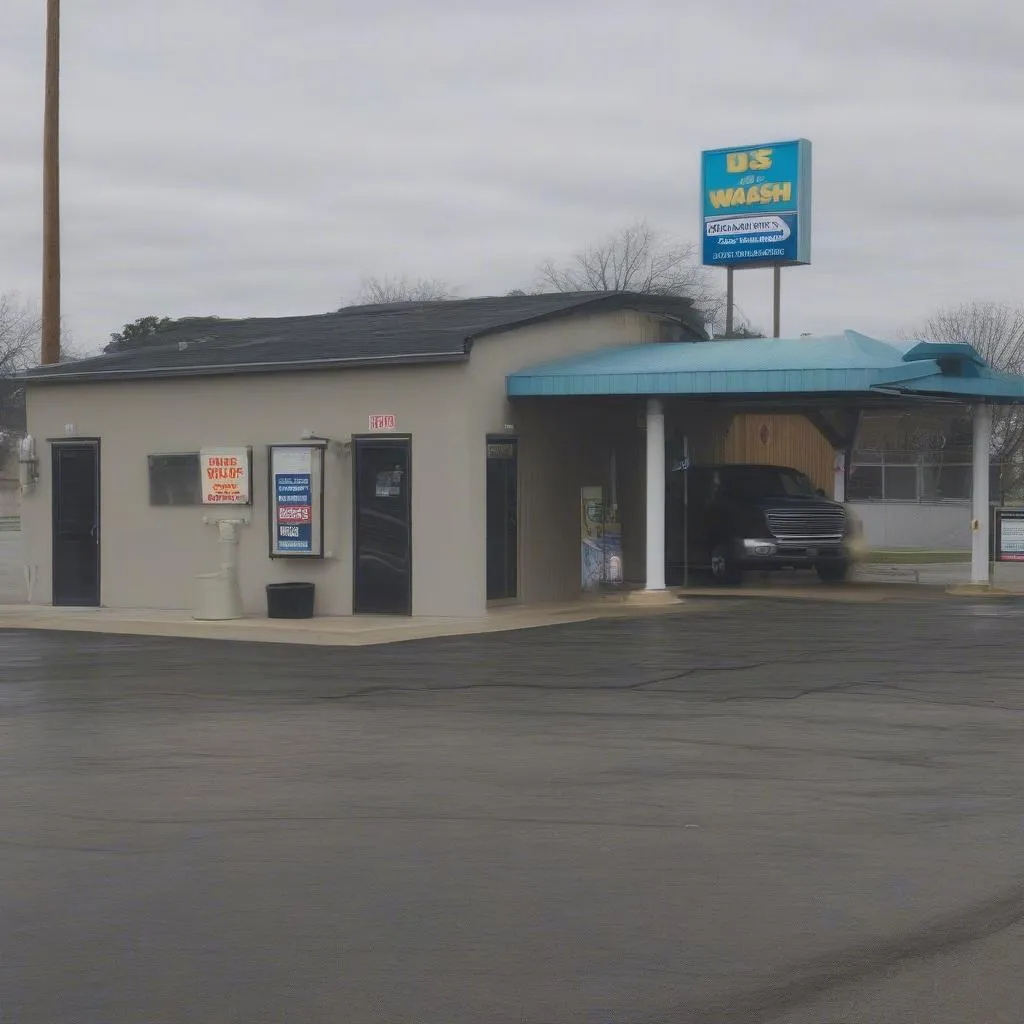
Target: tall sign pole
x=51, y=189
x=756, y=212
x=776, y=300
x=730, y=299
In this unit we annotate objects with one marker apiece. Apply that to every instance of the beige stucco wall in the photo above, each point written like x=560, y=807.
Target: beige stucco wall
x=564, y=445
x=150, y=556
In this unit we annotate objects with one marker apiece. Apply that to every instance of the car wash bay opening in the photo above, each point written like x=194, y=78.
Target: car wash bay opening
x=692, y=391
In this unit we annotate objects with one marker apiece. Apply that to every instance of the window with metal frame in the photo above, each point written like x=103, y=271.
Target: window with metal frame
x=175, y=479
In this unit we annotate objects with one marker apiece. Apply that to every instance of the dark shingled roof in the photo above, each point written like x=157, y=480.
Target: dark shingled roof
x=394, y=334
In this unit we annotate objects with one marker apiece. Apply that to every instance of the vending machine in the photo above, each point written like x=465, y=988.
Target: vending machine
x=600, y=540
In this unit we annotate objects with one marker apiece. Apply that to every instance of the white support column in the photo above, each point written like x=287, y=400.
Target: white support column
x=655, y=495
x=980, y=513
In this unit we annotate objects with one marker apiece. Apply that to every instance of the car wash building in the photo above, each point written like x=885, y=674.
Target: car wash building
x=429, y=458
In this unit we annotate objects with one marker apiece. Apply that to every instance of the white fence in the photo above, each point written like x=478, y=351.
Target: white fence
x=927, y=526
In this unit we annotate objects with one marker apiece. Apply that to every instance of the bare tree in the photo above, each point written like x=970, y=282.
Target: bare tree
x=383, y=290
x=19, y=347
x=636, y=258
x=996, y=331
x=20, y=330
x=19, y=334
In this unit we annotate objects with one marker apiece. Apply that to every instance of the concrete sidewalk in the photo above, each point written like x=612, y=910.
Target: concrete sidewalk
x=326, y=631
x=366, y=630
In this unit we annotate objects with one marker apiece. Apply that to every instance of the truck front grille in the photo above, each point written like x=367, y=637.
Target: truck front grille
x=806, y=523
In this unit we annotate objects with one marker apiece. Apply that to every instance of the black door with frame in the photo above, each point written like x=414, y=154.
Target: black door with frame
x=502, y=519
x=382, y=537
x=76, y=523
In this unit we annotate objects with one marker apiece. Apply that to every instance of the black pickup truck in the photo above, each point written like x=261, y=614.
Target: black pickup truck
x=752, y=517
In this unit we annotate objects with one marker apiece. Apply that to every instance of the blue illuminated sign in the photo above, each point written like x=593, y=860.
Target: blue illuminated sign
x=757, y=205
x=294, y=512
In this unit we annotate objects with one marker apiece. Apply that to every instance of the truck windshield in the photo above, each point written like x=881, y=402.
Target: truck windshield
x=753, y=482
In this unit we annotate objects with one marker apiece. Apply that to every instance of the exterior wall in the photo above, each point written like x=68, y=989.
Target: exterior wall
x=940, y=526
x=565, y=445
x=778, y=440
x=149, y=555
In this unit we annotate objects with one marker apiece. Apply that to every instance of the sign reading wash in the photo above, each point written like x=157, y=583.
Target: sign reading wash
x=757, y=205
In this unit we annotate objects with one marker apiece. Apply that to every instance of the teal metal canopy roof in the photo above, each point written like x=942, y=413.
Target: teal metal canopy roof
x=843, y=364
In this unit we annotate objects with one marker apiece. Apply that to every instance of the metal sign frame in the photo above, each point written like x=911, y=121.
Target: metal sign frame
x=295, y=490
x=1004, y=517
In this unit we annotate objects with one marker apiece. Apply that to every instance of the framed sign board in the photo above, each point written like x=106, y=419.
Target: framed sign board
x=1010, y=534
x=296, y=476
x=226, y=476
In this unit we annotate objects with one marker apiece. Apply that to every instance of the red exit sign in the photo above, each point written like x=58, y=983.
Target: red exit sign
x=383, y=421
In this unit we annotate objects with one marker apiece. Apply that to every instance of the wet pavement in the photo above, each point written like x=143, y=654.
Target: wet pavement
x=779, y=812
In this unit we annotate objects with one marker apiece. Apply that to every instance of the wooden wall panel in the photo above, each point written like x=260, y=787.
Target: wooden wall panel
x=777, y=440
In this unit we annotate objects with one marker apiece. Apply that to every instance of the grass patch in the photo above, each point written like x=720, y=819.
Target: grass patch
x=913, y=556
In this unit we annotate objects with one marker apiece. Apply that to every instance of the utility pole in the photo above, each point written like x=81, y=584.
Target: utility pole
x=51, y=190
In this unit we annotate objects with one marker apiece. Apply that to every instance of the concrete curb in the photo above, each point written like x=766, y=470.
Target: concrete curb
x=348, y=631
x=980, y=590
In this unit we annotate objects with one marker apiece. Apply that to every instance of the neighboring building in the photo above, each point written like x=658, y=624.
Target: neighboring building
x=436, y=494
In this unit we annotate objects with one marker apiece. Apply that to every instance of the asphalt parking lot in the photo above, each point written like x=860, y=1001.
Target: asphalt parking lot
x=768, y=811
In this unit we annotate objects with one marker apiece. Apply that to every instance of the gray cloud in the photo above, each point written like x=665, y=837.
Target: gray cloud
x=260, y=158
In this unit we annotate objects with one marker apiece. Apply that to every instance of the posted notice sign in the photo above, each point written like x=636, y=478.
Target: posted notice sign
x=295, y=528
x=1010, y=534
x=294, y=494
x=226, y=476
x=382, y=421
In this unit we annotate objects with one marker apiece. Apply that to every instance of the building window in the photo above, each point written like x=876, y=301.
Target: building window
x=924, y=455
x=903, y=476
x=946, y=482
x=175, y=479
x=900, y=482
x=865, y=484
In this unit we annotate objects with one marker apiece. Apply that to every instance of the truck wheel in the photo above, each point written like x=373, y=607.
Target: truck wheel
x=723, y=566
x=833, y=572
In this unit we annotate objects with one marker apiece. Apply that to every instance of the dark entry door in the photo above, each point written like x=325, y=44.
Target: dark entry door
x=76, y=523
x=502, y=520
x=383, y=526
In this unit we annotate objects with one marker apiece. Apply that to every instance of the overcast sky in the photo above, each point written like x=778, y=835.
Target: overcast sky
x=260, y=157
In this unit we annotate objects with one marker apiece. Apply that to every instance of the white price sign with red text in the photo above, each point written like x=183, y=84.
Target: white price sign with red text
x=225, y=476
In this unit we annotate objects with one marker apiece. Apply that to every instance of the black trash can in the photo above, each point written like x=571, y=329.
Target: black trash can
x=290, y=600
